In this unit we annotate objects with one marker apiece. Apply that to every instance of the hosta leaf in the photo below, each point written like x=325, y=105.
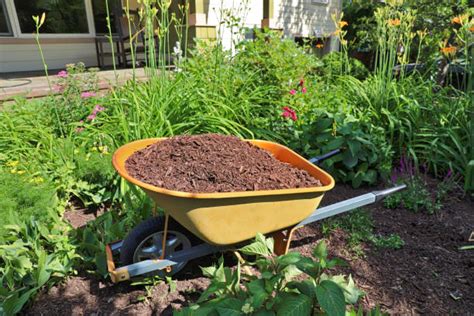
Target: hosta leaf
x=331, y=298
x=349, y=160
x=294, y=305
x=354, y=147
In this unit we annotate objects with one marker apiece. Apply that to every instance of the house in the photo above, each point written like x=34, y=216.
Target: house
x=72, y=27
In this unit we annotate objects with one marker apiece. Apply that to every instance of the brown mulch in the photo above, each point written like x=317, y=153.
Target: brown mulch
x=419, y=278
x=214, y=163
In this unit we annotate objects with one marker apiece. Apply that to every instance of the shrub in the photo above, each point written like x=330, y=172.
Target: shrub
x=274, y=290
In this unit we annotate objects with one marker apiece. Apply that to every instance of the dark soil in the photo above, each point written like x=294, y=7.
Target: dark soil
x=214, y=163
x=419, y=278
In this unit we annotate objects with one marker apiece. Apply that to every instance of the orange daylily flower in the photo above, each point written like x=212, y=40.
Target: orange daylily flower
x=449, y=50
x=343, y=23
x=319, y=45
x=471, y=29
x=394, y=22
x=459, y=19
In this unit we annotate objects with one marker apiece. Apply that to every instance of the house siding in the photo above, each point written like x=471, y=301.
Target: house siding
x=305, y=17
x=25, y=57
x=251, y=15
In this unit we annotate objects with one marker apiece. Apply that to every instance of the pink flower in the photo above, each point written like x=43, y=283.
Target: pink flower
x=98, y=108
x=303, y=90
x=62, y=74
x=290, y=113
x=91, y=117
x=292, y=91
x=58, y=88
x=87, y=94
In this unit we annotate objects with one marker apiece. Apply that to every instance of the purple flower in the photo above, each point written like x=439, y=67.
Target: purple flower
x=87, y=94
x=91, y=117
x=394, y=177
x=62, y=74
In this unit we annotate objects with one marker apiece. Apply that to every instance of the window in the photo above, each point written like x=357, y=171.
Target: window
x=100, y=15
x=4, y=22
x=62, y=16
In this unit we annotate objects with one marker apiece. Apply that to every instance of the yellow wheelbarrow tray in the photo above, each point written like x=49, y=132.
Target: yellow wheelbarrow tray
x=231, y=217
x=226, y=219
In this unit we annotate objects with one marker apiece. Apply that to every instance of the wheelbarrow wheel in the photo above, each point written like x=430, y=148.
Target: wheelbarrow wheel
x=145, y=242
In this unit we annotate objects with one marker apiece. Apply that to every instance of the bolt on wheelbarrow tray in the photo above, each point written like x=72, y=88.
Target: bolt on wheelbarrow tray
x=232, y=217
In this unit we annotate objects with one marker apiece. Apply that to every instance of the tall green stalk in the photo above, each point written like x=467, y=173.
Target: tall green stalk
x=111, y=41
x=38, y=23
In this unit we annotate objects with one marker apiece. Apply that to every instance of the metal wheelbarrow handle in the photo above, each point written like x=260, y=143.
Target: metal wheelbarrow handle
x=319, y=159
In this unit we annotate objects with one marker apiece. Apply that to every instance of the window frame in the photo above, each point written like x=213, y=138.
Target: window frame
x=16, y=30
x=7, y=17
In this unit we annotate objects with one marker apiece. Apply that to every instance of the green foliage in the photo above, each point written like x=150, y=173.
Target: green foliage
x=274, y=290
x=418, y=197
x=34, y=246
x=366, y=156
x=334, y=63
x=279, y=63
x=22, y=197
x=360, y=228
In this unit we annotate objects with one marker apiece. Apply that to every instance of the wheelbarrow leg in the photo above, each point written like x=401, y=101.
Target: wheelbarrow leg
x=282, y=239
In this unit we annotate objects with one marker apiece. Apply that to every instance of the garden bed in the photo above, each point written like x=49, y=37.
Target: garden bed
x=428, y=275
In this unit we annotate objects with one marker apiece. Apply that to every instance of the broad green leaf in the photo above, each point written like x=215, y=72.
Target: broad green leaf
x=351, y=292
x=259, y=294
x=349, y=160
x=208, y=271
x=321, y=250
x=294, y=305
x=258, y=247
x=306, y=287
x=13, y=304
x=331, y=298
x=290, y=271
x=334, y=144
x=354, y=147
x=289, y=258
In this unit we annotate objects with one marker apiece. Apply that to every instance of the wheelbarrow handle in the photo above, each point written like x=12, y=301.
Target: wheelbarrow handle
x=318, y=159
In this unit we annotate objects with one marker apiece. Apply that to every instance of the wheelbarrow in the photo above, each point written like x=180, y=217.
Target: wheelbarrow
x=199, y=224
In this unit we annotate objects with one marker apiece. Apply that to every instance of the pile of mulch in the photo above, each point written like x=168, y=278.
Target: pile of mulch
x=214, y=163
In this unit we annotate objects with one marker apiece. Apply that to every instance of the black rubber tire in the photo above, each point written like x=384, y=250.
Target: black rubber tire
x=144, y=230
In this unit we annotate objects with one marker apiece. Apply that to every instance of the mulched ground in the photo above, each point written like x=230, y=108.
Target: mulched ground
x=417, y=279
x=214, y=163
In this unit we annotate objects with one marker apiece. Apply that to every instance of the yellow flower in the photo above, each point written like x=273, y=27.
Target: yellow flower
x=394, y=22
x=13, y=163
x=21, y=171
x=13, y=171
x=343, y=23
x=37, y=180
x=336, y=32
